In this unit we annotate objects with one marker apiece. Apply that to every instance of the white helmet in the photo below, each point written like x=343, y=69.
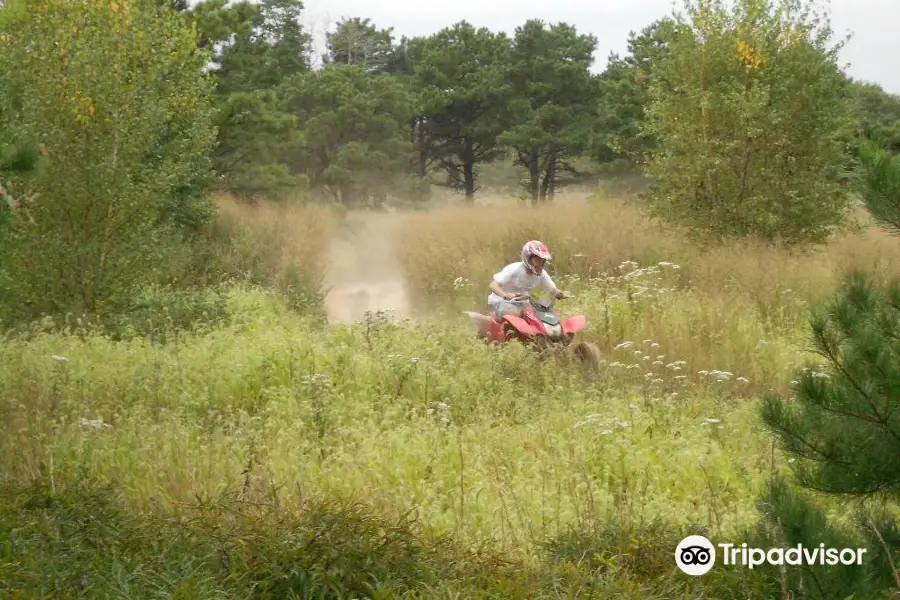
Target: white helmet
x=534, y=248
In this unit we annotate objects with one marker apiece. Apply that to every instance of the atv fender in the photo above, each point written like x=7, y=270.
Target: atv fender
x=521, y=325
x=574, y=324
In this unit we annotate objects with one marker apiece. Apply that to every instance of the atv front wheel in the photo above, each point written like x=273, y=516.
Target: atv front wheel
x=589, y=355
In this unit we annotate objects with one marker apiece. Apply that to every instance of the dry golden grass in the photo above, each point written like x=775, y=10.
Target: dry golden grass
x=591, y=238
x=277, y=239
x=741, y=308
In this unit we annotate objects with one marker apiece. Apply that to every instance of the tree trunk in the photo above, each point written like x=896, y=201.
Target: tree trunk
x=422, y=145
x=534, y=171
x=745, y=162
x=469, y=170
x=346, y=195
x=549, y=183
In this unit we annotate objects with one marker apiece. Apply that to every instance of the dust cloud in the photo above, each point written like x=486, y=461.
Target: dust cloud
x=364, y=272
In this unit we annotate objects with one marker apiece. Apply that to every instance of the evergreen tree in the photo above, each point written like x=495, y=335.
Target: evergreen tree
x=258, y=46
x=842, y=428
x=554, y=102
x=879, y=113
x=356, y=146
x=880, y=183
x=464, y=74
x=623, y=94
x=358, y=41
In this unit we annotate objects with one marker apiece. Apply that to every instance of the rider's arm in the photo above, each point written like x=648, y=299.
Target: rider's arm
x=497, y=288
x=551, y=287
x=501, y=278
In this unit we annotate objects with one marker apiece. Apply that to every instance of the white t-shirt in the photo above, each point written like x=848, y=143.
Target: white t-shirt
x=517, y=279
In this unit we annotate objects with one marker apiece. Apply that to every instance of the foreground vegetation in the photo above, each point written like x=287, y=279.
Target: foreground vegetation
x=178, y=418
x=265, y=453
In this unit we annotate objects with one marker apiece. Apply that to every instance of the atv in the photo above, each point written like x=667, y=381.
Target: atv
x=538, y=326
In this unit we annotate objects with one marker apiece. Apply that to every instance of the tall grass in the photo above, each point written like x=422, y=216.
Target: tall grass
x=740, y=308
x=265, y=456
x=281, y=246
x=274, y=243
x=593, y=237
x=487, y=446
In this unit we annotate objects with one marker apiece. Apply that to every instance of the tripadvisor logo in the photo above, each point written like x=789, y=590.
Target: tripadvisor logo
x=696, y=555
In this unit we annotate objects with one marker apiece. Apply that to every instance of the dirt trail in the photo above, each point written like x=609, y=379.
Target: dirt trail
x=364, y=271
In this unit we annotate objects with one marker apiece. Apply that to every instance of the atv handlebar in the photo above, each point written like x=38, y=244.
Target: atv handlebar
x=529, y=298
x=538, y=304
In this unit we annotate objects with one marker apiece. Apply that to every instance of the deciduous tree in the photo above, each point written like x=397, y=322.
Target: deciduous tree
x=748, y=108
x=117, y=94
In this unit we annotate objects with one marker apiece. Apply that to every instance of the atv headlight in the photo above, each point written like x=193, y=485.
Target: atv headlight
x=553, y=330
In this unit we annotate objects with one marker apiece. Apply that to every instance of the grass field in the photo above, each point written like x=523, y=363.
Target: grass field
x=268, y=456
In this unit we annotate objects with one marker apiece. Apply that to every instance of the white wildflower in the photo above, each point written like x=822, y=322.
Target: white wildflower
x=587, y=420
x=95, y=423
x=317, y=380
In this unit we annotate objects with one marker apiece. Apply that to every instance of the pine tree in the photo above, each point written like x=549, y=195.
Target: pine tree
x=842, y=428
x=880, y=183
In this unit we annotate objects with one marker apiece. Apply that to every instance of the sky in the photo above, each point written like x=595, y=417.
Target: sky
x=873, y=53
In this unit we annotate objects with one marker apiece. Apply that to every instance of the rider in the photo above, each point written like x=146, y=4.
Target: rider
x=519, y=278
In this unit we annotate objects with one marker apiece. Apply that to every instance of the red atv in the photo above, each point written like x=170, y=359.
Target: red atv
x=538, y=326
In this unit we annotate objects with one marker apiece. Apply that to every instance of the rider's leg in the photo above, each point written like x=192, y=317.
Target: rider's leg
x=505, y=307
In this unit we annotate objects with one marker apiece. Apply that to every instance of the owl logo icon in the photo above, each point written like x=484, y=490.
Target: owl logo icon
x=695, y=555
